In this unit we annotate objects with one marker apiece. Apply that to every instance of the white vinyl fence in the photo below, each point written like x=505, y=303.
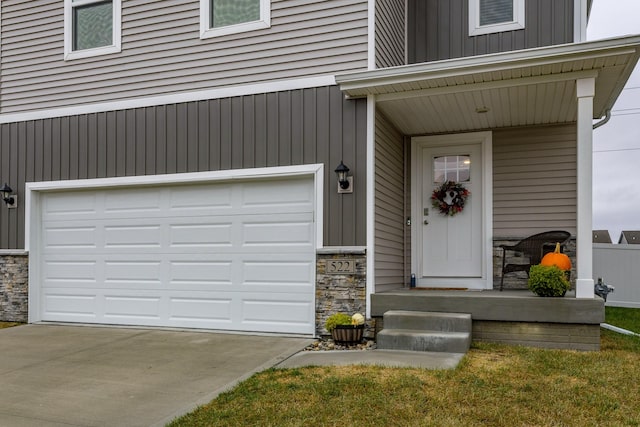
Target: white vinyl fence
x=619, y=266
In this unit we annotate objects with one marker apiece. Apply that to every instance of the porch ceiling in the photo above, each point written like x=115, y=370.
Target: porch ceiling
x=528, y=87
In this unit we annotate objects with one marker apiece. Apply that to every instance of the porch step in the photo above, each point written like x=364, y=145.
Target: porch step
x=421, y=320
x=425, y=331
x=412, y=340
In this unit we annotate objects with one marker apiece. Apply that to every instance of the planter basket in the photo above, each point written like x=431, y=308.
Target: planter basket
x=347, y=334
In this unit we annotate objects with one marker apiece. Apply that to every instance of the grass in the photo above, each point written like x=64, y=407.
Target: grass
x=494, y=385
x=623, y=318
x=8, y=324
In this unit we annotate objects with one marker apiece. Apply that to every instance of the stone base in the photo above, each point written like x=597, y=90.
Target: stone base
x=343, y=292
x=14, y=287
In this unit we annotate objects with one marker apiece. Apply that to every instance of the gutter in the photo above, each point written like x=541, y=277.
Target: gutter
x=604, y=121
x=618, y=330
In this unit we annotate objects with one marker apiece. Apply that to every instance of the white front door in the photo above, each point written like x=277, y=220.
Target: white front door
x=449, y=250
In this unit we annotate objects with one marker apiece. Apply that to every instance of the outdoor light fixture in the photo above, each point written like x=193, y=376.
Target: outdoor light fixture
x=345, y=182
x=10, y=199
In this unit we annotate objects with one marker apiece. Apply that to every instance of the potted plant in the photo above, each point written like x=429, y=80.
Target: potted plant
x=345, y=329
x=548, y=281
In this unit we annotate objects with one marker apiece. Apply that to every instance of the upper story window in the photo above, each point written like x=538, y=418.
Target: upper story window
x=493, y=16
x=91, y=27
x=221, y=17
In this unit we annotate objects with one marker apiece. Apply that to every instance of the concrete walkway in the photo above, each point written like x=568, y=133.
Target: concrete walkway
x=390, y=358
x=55, y=375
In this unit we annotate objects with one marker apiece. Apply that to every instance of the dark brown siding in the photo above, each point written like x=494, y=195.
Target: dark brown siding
x=276, y=129
x=438, y=29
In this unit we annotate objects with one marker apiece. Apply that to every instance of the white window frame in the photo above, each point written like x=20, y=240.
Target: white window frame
x=475, y=29
x=69, y=53
x=207, y=32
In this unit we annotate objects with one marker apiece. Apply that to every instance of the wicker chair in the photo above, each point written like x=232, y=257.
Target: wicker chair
x=534, y=247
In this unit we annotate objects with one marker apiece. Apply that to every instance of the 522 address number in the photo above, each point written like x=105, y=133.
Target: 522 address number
x=341, y=266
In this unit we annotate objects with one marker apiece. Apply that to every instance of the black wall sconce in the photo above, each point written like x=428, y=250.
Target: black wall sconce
x=345, y=182
x=10, y=199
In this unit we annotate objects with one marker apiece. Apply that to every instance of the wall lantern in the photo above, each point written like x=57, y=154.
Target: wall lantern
x=10, y=199
x=345, y=182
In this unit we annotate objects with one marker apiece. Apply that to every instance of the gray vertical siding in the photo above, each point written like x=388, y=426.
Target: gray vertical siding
x=162, y=51
x=275, y=129
x=534, y=180
x=389, y=201
x=390, y=33
x=438, y=29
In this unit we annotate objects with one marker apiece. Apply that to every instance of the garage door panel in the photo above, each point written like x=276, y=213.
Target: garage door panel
x=131, y=308
x=133, y=203
x=294, y=194
x=201, y=234
x=201, y=199
x=136, y=273
x=277, y=275
x=69, y=236
x=263, y=312
x=234, y=256
x=77, y=272
x=70, y=205
x=201, y=307
x=68, y=305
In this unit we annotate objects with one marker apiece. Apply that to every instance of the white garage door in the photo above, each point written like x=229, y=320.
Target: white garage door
x=236, y=256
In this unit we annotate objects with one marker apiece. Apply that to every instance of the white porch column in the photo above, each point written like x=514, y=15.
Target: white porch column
x=585, y=89
x=371, y=197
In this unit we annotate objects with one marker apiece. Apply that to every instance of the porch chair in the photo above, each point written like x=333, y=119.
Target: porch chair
x=534, y=247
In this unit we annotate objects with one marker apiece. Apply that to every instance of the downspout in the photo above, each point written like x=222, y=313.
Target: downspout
x=604, y=121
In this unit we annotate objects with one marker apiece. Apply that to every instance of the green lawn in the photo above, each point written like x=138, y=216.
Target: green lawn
x=8, y=324
x=494, y=385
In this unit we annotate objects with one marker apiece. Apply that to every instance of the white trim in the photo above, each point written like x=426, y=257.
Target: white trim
x=223, y=92
x=485, y=139
x=475, y=29
x=579, y=21
x=546, y=55
x=9, y=252
x=371, y=200
x=69, y=53
x=33, y=211
x=371, y=35
x=585, y=92
x=208, y=32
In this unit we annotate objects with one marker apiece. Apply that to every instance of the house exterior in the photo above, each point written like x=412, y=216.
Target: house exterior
x=173, y=162
x=629, y=237
x=601, y=236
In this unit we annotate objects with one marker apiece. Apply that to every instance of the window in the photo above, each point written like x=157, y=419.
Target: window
x=452, y=168
x=91, y=27
x=492, y=16
x=221, y=17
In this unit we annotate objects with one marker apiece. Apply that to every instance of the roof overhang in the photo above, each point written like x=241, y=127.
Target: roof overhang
x=518, y=88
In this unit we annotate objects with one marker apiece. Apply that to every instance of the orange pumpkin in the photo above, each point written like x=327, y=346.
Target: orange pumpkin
x=558, y=259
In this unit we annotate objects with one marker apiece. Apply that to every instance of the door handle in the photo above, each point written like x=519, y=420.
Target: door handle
x=425, y=222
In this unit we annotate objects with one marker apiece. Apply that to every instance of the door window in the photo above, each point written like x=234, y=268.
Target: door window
x=452, y=168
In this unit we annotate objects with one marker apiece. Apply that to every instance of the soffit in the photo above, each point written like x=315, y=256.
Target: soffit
x=535, y=86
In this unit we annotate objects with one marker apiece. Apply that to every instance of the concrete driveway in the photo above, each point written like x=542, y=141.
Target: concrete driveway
x=57, y=375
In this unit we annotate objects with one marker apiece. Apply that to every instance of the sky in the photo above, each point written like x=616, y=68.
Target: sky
x=616, y=145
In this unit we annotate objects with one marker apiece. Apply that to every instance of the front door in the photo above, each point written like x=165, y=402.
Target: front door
x=449, y=249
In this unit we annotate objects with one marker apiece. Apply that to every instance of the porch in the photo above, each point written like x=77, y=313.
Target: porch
x=511, y=316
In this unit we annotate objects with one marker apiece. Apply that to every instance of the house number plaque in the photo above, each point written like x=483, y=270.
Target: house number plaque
x=341, y=266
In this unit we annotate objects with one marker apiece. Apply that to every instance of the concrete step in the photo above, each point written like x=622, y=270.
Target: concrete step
x=431, y=321
x=413, y=340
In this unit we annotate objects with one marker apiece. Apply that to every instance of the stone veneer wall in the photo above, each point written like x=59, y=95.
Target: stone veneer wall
x=518, y=279
x=341, y=293
x=14, y=287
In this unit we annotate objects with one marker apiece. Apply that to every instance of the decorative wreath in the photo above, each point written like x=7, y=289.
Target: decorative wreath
x=449, y=198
